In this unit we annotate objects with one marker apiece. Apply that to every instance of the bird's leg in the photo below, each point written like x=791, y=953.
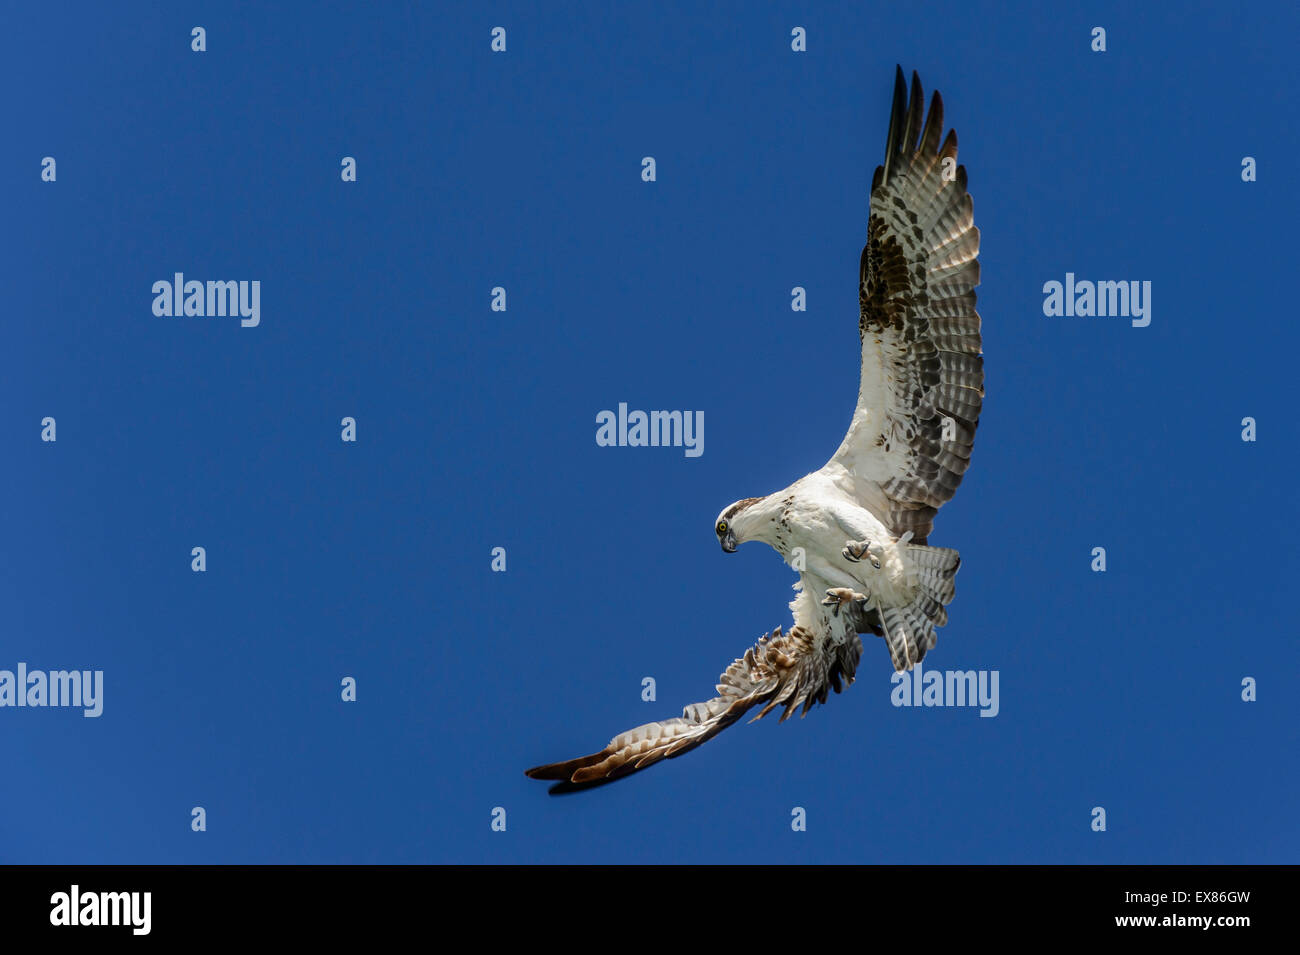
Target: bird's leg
x=837, y=597
x=856, y=550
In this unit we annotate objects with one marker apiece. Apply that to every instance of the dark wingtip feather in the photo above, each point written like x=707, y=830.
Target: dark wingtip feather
x=565, y=787
x=897, y=117
x=566, y=769
x=929, y=144
x=915, y=113
x=542, y=772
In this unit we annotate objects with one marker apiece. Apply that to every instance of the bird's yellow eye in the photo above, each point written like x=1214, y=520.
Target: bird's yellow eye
x=722, y=528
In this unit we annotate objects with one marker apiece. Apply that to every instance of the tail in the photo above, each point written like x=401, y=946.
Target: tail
x=909, y=629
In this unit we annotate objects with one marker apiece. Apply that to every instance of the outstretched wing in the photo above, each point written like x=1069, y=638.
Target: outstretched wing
x=783, y=669
x=922, y=372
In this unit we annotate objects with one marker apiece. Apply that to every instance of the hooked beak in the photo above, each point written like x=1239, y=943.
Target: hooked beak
x=729, y=542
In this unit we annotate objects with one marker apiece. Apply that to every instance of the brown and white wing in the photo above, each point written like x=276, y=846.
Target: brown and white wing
x=794, y=669
x=922, y=382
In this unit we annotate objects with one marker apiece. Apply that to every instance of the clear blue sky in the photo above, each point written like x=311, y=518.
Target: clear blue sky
x=477, y=429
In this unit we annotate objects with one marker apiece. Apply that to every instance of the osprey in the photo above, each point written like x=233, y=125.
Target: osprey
x=857, y=529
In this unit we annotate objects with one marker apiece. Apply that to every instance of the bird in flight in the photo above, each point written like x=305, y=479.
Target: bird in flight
x=857, y=530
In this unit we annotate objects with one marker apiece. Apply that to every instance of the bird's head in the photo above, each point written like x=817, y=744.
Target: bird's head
x=729, y=534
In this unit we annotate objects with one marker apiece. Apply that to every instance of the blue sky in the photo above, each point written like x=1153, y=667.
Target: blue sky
x=476, y=429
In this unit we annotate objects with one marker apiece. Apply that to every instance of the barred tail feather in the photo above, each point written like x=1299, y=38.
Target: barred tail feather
x=909, y=629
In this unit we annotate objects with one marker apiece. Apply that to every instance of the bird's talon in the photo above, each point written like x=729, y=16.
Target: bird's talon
x=856, y=550
x=837, y=597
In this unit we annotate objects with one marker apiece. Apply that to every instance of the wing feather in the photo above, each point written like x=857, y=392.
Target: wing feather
x=791, y=670
x=922, y=386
